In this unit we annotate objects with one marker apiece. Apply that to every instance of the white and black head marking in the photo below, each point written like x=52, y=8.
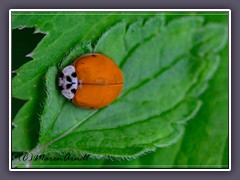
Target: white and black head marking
x=68, y=82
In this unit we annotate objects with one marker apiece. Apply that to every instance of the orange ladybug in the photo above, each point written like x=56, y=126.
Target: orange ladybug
x=92, y=81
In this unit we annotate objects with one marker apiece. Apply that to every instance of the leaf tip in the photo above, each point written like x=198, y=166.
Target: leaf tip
x=30, y=55
x=14, y=124
x=21, y=27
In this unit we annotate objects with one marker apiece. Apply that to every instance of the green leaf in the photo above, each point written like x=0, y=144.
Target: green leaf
x=55, y=46
x=210, y=127
x=205, y=142
x=165, y=71
x=120, y=123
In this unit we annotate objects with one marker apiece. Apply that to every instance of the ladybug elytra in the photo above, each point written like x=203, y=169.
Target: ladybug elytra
x=91, y=81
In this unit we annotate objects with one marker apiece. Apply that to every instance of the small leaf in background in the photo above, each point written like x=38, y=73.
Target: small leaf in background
x=23, y=126
x=166, y=69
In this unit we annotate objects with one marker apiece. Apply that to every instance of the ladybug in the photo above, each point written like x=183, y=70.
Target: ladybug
x=92, y=81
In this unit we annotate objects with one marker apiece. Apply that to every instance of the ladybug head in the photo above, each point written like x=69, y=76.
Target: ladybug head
x=68, y=82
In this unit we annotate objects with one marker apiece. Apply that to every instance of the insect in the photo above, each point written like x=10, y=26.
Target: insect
x=92, y=81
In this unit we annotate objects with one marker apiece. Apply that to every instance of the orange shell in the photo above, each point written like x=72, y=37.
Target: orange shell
x=102, y=81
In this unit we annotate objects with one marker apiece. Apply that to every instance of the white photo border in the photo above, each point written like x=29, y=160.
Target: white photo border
x=117, y=10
